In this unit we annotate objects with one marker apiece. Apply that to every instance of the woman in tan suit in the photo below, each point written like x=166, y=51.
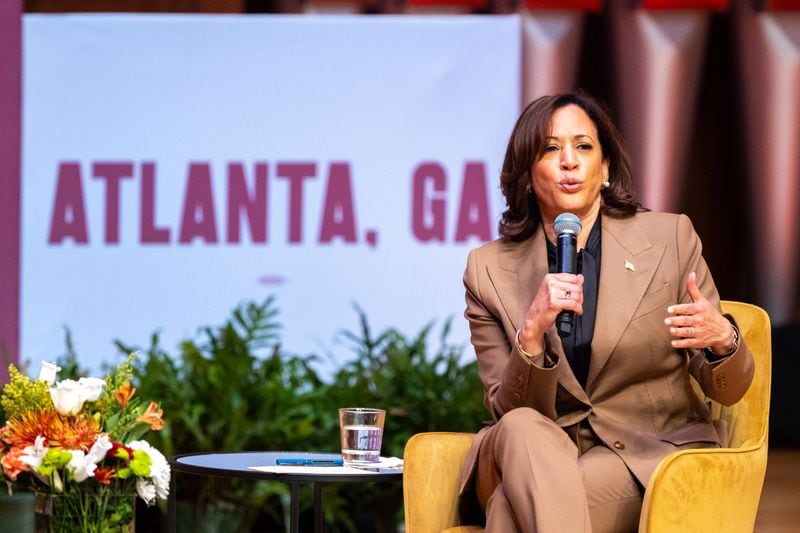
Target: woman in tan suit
x=580, y=422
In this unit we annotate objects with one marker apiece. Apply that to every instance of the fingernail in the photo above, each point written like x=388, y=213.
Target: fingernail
x=667, y=321
x=670, y=309
x=674, y=343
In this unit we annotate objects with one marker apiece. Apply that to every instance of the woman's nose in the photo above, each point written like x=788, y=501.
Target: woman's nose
x=568, y=159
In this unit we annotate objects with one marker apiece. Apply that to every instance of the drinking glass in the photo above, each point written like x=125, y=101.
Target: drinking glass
x=361, y=430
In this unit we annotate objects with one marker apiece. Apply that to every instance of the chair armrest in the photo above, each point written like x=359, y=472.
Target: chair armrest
x=431, y=473
x=705, y=490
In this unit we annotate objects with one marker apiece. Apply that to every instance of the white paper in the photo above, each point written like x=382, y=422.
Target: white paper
x=324, y=470
x=393, y=463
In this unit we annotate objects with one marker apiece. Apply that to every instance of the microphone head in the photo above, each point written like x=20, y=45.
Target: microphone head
x=567, y=223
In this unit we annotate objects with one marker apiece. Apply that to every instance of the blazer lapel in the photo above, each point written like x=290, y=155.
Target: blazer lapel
x=517, y=275
x=516, y=279
x=627, y=266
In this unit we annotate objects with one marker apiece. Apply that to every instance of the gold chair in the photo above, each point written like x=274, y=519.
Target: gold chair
x=691, y=490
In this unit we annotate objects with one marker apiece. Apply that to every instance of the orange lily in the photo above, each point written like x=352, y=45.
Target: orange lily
x=104, y=475
x=153, y=417
x=124, y=394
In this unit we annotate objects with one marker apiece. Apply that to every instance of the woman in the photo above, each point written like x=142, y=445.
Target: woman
x=580, y=422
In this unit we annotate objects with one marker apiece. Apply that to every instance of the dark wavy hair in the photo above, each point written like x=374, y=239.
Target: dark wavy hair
x=521, y=218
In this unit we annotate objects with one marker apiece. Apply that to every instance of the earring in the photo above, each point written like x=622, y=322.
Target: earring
x=606, y=184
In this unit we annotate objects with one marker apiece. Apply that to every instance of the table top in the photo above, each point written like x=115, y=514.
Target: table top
x=237, y=464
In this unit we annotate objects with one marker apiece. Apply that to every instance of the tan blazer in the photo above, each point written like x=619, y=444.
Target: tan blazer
x=638, y=397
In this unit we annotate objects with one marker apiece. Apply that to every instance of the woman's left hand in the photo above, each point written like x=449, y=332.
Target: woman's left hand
x=699, y=324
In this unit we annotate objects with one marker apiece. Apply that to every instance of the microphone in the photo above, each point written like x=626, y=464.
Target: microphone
x=567, y=226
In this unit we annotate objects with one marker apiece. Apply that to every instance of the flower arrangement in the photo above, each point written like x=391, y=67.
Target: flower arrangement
x=78, y=444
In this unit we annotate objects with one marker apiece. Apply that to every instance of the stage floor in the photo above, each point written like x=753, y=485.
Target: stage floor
x=779, y=510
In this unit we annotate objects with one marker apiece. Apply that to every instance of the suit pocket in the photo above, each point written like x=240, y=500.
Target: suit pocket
x=698, y=432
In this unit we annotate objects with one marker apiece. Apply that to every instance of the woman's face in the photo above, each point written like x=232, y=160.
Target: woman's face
x=569, y=173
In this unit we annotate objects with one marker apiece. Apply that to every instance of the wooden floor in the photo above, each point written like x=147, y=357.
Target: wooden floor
x=779, y=510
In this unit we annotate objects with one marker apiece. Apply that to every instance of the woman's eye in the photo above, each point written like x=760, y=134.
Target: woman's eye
x=585, y=147
x=550, y=148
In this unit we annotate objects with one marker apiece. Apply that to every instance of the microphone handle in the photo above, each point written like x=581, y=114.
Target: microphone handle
x=564, y=323
x=566, y=261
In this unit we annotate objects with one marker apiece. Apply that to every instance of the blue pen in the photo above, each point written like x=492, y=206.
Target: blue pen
x=303, y=461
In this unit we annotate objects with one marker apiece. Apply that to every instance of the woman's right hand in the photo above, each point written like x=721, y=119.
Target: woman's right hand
x=558, y=292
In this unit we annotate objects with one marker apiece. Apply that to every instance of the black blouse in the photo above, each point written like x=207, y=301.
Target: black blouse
x=578, y=344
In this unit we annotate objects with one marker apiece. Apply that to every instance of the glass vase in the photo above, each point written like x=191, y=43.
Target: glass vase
x=84, y=513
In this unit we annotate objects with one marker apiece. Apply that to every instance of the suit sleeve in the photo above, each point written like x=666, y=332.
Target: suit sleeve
x=510, y=379
x=727, y=380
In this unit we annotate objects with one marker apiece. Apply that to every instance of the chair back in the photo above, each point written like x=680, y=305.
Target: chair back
x=748, y=419
x=431, y=474
x=718, y=489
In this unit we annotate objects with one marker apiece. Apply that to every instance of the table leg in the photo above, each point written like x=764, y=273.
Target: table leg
x=294, y=526
x=319, y=516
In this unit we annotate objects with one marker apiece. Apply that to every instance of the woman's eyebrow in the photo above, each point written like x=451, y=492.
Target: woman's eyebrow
x=578, y=136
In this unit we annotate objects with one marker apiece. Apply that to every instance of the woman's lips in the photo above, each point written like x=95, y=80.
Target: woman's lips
x=571, y=185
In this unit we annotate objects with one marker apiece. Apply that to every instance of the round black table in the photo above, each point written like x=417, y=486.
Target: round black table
x=237, y=465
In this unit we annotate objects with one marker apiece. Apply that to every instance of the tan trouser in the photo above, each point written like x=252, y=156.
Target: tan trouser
x=532, y=477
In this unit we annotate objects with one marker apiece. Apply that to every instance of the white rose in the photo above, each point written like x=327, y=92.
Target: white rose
x=67, y=397
x=91, y=388
x=82, y=465
x=48, y=371
x=99, y=449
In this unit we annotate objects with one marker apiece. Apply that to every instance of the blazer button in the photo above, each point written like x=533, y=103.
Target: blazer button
x=619, y=445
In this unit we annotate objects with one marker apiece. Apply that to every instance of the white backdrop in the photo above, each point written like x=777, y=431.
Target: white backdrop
x=134, y=121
